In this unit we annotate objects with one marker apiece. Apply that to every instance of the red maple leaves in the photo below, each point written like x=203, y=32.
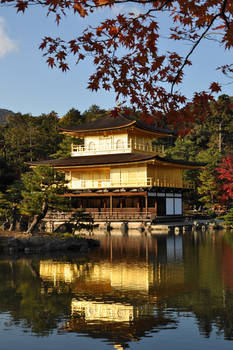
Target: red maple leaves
x=225, y=169
x=127, y=56
x=215, y=87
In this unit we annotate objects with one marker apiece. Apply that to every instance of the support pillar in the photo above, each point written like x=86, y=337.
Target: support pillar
x=146, y=204
x=156, y=207
x=110, y=200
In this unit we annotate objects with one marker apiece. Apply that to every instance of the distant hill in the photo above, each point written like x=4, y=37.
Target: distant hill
x=3, y=114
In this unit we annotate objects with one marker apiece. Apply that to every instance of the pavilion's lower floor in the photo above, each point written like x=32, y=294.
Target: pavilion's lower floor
x=128, y=205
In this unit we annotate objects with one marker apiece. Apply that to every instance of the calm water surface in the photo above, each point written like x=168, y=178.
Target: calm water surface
x=132, y=292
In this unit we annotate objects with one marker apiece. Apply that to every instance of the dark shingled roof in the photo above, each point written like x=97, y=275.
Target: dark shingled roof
x=119, y=122
x=105, y=159
x=180, y=162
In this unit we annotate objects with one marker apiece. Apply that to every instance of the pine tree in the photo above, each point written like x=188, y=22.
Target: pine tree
x=81, y=220
x=72, y=117
x=43, y=189
x=228, y=218
x=9, y=204
x=64, y=147
x=209, y=189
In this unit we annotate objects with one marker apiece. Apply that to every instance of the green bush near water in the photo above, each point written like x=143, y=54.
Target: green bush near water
x=64, y=235
x=228, y=219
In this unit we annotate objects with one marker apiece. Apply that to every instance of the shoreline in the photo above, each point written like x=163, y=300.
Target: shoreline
x=20, y=242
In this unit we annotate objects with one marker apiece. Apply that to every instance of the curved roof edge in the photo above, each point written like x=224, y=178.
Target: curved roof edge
x=180, y=162
x=109, y=159
x=109, y=123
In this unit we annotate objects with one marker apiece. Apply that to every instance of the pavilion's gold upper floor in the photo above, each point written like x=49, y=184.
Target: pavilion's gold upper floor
x=112, y=136
x=113, y=144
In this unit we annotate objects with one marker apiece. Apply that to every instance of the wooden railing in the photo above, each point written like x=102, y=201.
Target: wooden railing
x=123, y=216
x=77, y=150
x=106, y=214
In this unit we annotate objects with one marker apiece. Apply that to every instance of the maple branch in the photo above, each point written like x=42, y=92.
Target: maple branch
x=140, y=2
x=203, y=35
x=223, y=15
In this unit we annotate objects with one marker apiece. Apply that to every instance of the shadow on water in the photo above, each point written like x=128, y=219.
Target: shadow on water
x=124, y=291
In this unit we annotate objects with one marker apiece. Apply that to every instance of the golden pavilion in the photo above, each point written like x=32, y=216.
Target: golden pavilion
x=118, y=173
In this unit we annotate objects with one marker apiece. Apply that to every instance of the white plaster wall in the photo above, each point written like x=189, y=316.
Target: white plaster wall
x=106, y=142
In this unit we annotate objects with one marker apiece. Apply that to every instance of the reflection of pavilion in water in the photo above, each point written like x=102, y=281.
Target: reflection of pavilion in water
x=118, y=323
x=122, y=264
x=118, y=291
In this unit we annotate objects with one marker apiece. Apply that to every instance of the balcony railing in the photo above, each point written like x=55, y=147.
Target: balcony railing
x=110, y=183
x=77, y=150
x=107, y=214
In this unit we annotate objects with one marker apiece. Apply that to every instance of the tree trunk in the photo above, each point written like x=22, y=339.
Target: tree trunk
x=14, y=218
x=37, y=218
x=220, y=138
x=5, y=225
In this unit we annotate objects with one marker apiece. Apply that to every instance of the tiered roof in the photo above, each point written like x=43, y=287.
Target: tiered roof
x=106, y=123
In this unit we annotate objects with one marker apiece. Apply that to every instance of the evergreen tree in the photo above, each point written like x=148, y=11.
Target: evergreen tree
x=209, y=187
x=92, y=113
x=228, y=218
x=43, y=189
x=72, y=117
x=8, y=174
x=25, y=138
x=220, y=124
x=82, y=221
x=183, y=148
x=47, y=135
x=10, y=203
x=64, y=147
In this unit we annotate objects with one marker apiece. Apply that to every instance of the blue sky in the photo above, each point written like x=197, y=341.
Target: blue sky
x=29, y=86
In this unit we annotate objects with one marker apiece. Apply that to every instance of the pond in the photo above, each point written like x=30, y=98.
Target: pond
x=157, y=292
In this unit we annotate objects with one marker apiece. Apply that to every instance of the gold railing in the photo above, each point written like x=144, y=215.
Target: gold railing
x=126, y=147
x=110, y=183
x=168, y=183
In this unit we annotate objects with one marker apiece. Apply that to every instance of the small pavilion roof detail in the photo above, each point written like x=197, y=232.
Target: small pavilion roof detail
x=108, y=123
x=111, y=159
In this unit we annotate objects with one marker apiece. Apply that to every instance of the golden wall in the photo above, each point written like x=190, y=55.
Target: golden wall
x=114, y=176
x=141, y=139
x=125, y=176
x=131, y=175
x=166, y=176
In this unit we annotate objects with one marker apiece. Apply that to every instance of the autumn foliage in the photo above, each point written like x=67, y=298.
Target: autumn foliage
x=126, y=51
x=225, y=171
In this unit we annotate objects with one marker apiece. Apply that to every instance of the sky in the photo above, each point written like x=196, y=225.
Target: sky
x=28, y=85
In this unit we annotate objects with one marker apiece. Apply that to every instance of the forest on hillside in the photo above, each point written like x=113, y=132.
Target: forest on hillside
x=25, y=138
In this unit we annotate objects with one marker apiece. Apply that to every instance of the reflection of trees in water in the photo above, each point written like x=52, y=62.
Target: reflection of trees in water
x=39, y=295
x=212, y=313
x=209, y=301
x=20, y=295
